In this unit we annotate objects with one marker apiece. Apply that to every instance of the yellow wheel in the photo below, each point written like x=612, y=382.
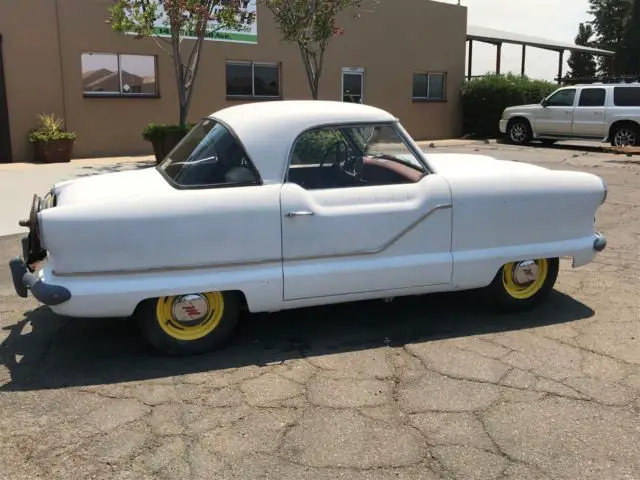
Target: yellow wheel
x=192, y=323
x=523, y=284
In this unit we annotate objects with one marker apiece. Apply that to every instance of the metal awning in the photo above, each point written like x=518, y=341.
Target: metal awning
x=498, y=37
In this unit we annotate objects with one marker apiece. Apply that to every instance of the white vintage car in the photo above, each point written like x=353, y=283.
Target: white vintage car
x=279, y=205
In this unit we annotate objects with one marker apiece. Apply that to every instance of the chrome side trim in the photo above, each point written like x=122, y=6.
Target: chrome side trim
x=138, y=271
x=375, y=251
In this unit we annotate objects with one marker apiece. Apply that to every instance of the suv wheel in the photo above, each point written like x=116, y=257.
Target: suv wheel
x=519, y=132
x=625, y=135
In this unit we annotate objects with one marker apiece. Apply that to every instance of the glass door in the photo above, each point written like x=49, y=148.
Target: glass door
x=353, y=85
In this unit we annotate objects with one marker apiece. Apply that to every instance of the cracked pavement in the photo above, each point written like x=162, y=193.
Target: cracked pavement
x=421, y=388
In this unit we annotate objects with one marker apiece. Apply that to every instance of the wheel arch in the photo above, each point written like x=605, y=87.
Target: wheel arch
x=619, y=123
x=239, y=295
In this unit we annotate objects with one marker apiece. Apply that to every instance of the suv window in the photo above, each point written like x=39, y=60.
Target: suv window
x=562, y=98
x=626, y=96
x=209, y=156
x=592, y=97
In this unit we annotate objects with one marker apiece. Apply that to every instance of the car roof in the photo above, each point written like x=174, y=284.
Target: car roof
x=268, y=129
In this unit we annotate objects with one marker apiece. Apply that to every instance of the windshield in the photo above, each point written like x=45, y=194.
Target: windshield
x=209, y=155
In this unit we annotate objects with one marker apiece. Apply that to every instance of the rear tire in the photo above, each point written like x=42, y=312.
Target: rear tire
x=519, y=132
x=625, y=135
x=521, y=286
x=188, y=324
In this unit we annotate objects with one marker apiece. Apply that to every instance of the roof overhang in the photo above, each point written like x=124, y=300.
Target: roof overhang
x=490, y=35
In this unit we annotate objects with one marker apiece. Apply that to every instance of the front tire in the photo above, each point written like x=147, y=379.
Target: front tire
x=188, y=324
x=519, y=132
x=521, y=286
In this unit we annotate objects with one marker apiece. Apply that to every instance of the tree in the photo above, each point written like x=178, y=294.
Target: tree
x=609, y=23
x=311, y=24
x=583, y=64
x=629, y=53
x=168, y=23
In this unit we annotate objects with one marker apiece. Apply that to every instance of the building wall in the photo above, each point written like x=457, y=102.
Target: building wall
x=45, y=75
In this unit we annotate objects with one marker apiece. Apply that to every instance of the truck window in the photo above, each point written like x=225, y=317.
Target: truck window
x=592, y=97
x=626, y=96
x=562, y=98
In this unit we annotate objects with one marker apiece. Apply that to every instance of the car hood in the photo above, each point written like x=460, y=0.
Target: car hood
x=455, y=164
x=523, y=107
x=109, y=186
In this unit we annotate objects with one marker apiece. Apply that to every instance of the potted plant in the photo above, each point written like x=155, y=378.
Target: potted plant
x=51, y=142
x=164, y=137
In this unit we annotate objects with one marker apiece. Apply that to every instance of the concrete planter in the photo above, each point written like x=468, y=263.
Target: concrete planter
x=54, y=151
x=164, y=144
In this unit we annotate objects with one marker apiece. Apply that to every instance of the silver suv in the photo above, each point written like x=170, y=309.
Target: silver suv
x=605, y=112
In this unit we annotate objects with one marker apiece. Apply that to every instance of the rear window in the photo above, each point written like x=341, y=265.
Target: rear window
x=209, y=156
x=626, y=96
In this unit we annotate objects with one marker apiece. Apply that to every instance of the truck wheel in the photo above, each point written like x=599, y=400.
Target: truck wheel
x=520, y=286
x=519, y=132
x=188, y=324
x=625, y=135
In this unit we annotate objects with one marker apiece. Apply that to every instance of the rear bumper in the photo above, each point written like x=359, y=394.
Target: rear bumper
x=25, y=281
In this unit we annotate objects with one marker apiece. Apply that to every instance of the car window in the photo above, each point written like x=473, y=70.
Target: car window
x=209, y=155
x=353, y=156
x=592, y=97
x=626, y=96
x=562, y=98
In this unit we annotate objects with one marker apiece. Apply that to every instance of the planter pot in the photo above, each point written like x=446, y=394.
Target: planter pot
x=162, y=146
x=56, y=151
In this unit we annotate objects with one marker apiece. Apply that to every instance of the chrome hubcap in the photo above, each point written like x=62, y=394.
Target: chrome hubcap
x=190, y=309
x=625, y=138
x=518, y=132
x=525, y=273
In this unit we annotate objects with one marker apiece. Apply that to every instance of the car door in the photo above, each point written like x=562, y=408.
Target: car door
x=555, y=118
x=589, y=114
x=354, y=222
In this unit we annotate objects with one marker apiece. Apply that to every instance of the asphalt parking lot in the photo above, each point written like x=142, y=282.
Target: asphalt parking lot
x=421, y=388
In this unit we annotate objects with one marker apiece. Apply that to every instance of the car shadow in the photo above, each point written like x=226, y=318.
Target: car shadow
x=44, y=350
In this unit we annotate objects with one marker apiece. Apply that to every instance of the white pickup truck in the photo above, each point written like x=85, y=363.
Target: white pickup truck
x=605, y=112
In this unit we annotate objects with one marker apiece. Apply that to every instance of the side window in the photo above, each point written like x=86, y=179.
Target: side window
x=563, y=98
x=209, y=156
x=626, y=96
x=353, y=156
x=592, y=97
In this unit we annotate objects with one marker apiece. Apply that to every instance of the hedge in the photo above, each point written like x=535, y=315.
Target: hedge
x=485, y=98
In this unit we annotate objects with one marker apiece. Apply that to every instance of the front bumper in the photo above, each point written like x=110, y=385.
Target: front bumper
x=503, y=126
x=25, y=281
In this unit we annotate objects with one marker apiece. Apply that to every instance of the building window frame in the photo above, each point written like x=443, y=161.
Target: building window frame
x=253, y=64
x=428, y=98
x=121, y=93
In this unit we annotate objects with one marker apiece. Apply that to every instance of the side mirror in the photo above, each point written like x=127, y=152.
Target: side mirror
x=544, y=102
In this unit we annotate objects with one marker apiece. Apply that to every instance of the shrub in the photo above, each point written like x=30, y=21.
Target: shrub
x=157, y=131
x=313, y=145
x=50, y=129
x=485, y=98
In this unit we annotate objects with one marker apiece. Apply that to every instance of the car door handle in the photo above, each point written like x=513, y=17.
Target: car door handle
x=303, y=213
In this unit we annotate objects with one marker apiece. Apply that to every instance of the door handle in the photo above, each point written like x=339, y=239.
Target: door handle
x=568, y=112
x=303, y=213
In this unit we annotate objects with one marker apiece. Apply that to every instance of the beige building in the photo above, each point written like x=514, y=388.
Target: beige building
x=407, y=56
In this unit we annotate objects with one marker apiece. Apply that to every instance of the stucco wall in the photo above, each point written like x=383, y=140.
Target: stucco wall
x=398, y=38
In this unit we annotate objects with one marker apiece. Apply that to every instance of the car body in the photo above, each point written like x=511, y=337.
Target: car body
x=287, y=204
x=604, y=112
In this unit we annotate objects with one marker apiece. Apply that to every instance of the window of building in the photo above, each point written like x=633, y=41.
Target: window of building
x=353, y=156
x=429, y=86
x=592, y=97
x=209, y=156
x=253, y=79
x=626, y=96
x=111, y=74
